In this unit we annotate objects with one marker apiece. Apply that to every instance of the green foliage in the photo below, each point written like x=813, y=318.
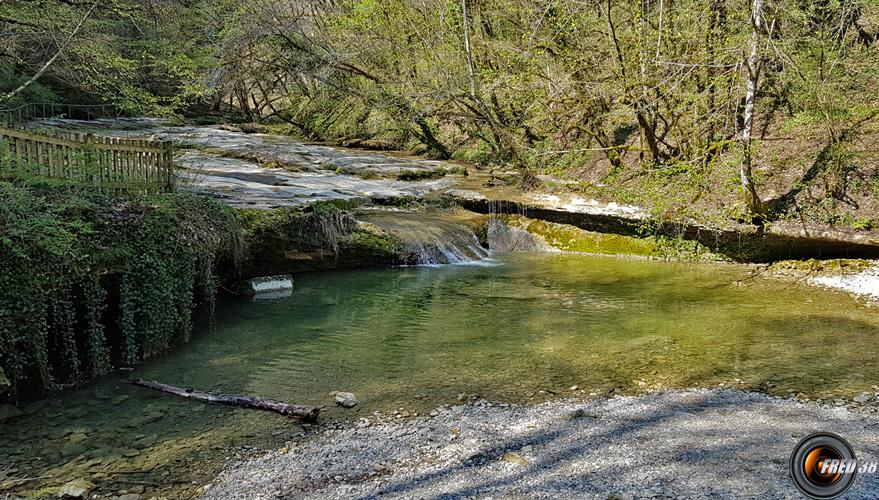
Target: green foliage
x=142, y=57
x=82, y=274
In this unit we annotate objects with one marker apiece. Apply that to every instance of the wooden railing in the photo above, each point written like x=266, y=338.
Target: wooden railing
x=20, y=116
x=101, y=161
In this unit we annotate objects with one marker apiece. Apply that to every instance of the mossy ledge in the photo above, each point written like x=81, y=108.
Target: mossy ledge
x=319, y=237
x=573, y=239
x=92, y=281
x=736, y=242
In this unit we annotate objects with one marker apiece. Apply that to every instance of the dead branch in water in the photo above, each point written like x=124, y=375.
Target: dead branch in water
x=305, y=413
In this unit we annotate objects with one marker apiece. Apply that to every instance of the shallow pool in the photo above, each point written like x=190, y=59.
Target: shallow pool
x=522, y=327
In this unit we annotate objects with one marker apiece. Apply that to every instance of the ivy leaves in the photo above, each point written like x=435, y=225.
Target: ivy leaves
x=86, y=278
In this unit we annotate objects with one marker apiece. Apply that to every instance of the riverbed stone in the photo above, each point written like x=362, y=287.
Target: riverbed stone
x=346, y=399
x=146, y=419
x=862, y=398
x=514, y=458
x=79, y=488
x=73, y=449
x=120, y=399
x=144, y=442
x=77, y=437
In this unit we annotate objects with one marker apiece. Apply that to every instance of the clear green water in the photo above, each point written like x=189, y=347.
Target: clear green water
x=415, y=338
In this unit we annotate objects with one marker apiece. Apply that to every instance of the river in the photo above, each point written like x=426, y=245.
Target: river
x=518, y=327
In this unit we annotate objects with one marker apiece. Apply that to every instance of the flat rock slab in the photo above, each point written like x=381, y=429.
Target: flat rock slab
x=270, y=171
x=681, y=444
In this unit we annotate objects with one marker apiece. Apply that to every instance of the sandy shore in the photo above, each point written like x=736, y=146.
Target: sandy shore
x=681, y=444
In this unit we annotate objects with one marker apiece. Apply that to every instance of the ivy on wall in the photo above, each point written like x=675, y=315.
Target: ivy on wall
x=89, y=279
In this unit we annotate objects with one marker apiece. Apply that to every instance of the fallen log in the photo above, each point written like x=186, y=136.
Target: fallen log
x=305, y=413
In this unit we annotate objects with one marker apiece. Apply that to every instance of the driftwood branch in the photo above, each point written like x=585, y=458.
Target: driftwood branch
x=305, y=413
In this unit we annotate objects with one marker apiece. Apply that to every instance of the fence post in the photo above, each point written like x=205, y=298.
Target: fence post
x=169, y=163
x=91, y=163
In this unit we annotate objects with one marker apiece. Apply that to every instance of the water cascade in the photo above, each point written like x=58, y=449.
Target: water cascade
x=427, y=239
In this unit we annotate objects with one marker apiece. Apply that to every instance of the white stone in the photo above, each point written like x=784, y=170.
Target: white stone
x=269, y=285
x=79, y=488
x=346, y=400
x=862, y=398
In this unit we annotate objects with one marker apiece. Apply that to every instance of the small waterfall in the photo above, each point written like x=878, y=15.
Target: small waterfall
x=427, y=239
x=442, y=245
x=503, y=238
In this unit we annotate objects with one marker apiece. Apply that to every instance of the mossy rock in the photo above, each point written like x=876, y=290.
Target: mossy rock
x=320, y=237
x=572, y=239
x=831, y=267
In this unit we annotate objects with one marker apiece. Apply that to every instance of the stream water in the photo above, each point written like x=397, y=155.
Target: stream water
x=520, y=328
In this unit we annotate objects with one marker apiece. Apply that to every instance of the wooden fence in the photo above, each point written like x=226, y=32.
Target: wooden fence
x=102, y=161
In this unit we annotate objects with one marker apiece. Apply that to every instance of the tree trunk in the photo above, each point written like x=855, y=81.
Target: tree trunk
x=504, y=144
x=645, y=113
x=752, y=202
x=437, y=149
x=305, y=413
x=469, y=51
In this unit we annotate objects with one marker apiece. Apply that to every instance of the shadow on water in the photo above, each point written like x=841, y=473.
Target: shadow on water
x=418, y=337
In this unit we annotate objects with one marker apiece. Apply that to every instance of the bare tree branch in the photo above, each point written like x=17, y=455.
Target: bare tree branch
x=48, y=63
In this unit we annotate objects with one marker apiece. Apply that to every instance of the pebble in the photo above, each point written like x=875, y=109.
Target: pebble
x=514, y=458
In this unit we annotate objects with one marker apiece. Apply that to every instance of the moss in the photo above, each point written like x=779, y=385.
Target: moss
x=331, y=205
x=253, y=156
x=572, y=239
x=320, y=237
x=368, y=246
x=427, y=174
x=824, y=267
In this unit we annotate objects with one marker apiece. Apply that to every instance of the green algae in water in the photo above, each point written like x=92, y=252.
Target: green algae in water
x=418, y=337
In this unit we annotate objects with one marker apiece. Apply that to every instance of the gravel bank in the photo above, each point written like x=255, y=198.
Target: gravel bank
x=689, y=443
x=864, y=283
